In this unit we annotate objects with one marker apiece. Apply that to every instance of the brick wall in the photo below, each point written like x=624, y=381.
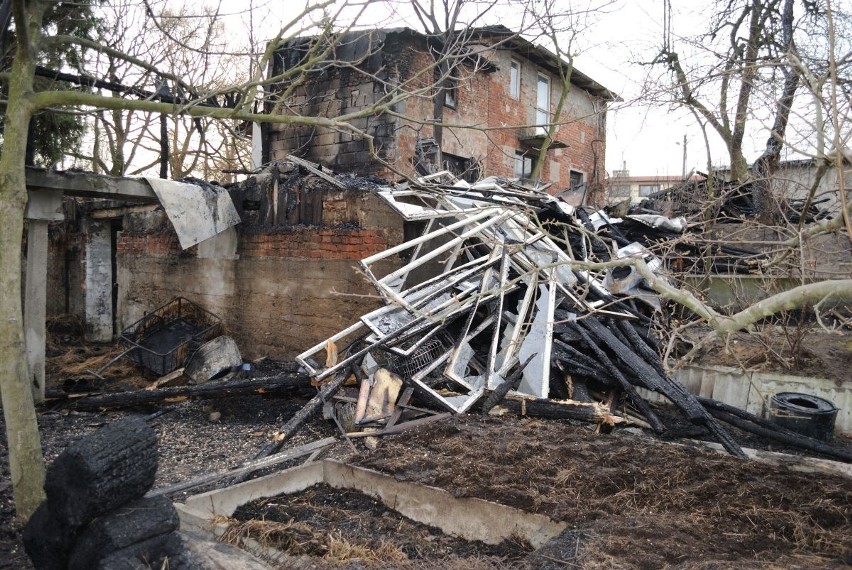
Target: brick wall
x=331, y=244
x=278, y=290
x=156, y=245
x=483, y=103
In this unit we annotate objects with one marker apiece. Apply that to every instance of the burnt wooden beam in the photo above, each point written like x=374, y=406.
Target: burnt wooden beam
x=556, y=410
x=764, y=428
x=246, y=467
x=281, y=384
x=641, y=405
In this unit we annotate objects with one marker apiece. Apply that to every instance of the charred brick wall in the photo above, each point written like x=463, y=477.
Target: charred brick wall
x=375, y=62
x=328, y=244
x=486, y=126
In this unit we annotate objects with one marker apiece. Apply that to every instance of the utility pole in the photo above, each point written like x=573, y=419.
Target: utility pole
x=683, y=174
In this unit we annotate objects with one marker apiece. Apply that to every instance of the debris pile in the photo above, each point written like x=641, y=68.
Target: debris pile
x=510, y=290
x=732, y=202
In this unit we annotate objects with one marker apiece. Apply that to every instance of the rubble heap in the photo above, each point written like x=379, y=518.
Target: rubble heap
x=510, y=290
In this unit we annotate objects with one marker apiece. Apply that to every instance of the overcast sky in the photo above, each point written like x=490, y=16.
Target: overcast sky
x=649, y=140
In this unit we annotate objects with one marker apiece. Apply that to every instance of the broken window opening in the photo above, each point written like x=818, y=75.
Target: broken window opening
x=450, y=93
x=576, y=180
x=524, y=164
x=426, y=156
x=467, y=169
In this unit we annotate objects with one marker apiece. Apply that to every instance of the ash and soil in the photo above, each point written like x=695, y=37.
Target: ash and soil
x=630, y=500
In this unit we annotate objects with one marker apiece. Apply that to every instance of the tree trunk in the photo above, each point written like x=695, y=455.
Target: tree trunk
x=26, y=462
x=766, y=165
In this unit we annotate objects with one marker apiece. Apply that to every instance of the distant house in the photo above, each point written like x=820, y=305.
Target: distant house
x=495, y=110
x=621, y=186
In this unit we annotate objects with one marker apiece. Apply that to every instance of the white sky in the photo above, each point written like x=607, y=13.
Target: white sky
x=648, y=139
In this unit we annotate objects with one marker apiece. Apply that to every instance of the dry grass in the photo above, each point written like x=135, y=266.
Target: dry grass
x=295, y=539
x=291, y=537
x=341, y=551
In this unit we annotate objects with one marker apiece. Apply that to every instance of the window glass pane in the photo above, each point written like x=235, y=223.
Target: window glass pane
x=450, y=94
x=515, y=80
x=523, y=165
x=542, y=101
x=646, y=189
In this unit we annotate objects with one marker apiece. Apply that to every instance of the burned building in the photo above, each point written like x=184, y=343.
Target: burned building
x=497, y=105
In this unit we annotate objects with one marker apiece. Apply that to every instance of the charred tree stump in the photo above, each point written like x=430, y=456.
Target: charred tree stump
x=133, y=523
x=47, y=540
x=102, y=472
x=143, y=555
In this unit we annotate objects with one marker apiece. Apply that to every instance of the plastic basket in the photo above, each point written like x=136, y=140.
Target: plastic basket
x=165, y=339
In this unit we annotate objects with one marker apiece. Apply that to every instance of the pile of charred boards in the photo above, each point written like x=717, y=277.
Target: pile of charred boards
x=513, y=291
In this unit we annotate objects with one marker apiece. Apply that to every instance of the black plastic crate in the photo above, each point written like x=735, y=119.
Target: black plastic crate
x=166, y=338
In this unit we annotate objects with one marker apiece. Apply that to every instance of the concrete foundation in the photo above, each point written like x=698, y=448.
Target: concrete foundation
x=751, y=390
x=471, y=519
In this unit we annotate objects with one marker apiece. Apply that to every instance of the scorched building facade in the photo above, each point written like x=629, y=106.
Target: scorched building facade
x=495, y=106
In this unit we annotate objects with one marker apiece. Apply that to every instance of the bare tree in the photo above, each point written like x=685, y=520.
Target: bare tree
x=740, y=56
x=24, y=101
x=205, y=55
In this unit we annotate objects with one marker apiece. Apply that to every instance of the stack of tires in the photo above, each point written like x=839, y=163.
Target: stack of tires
x=96, y=515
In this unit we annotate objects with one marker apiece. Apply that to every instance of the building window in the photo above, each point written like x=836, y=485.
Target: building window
x=619, y=191
x=450, y=93
x=467, y=169
x=523, y=165
x=515, y=80
x=542, y=103
x=648, y=189
x=576, y=179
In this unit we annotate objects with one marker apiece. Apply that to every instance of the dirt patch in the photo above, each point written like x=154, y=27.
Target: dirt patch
x=631, y=501
x=784, y=350
x=340, y=525
x=634, y=501
x=641, y=503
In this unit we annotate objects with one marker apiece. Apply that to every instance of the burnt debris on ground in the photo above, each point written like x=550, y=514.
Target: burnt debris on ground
x=512, y=291
x=509, y=296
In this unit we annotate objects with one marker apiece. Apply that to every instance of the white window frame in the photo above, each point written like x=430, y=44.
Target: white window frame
x=524, y=165
x=542, y=102
x=515, y=79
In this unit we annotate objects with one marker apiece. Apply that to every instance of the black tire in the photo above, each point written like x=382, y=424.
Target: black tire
x=805, y=414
